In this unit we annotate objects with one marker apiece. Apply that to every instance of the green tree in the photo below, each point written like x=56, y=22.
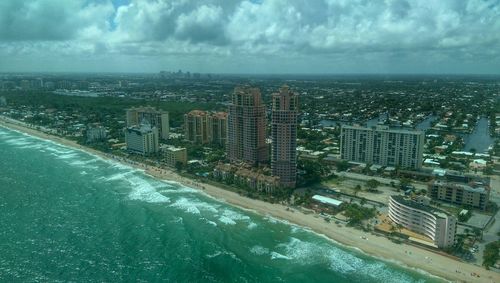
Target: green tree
x=488, y=170
x=404, y=182
x=357, y=189
x=372, y=184
x=342, y=166
x=313, y=171
x=179, y=166
x=490, y=254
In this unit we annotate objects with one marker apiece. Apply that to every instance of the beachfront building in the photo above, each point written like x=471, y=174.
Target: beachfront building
x=327, y=201
x=218, y=125
x=174, y=155
x=246, y=176
x=142, y=139
x=419, y=217
x=149, y=115
x=202, y=127
x=382, y=146
x=475, y=194
x=246, y=140
x=95, y=133
x=196, y=128
x=285, y=108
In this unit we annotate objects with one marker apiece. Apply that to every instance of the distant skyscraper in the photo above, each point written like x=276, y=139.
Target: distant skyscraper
x=284, y=113
x=247, y=127
x=156, y=118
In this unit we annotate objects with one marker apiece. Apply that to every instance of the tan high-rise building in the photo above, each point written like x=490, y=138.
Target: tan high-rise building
x=218, y=125
x=284, y=113
x=156, y=118
x=196, y=127
x=201, y=127
x=247, y=127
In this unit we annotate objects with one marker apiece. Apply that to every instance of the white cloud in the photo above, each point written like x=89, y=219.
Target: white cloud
x=323, y=31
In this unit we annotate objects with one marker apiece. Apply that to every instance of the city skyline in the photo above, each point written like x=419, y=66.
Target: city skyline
x=271, y=37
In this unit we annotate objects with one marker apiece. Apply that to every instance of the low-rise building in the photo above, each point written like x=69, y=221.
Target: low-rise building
x=142, y=140
x=173, y=155
x=423, y=219
x=474, y=194
x=252, y=178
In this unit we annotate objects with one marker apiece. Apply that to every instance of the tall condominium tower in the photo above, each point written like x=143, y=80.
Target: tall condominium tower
x=247, y=127
x=201, y=127
x=284, y=113
x=382, y=146
x=218, y=124
x=196, y=127
x=156, y=118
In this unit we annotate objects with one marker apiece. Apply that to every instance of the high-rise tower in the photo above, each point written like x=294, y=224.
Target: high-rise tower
x=156, y=118
x=285, y=108
x=247, y=127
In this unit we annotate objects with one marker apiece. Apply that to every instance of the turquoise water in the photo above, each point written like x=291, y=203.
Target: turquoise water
x=70, y=216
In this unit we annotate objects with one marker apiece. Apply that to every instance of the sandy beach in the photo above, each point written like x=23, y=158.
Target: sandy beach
x=380, y=247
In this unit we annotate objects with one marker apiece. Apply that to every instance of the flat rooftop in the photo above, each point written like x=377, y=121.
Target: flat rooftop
x=327, y=200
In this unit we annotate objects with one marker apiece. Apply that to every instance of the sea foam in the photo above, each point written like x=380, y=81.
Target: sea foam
x=144, y=190
x=193, y=206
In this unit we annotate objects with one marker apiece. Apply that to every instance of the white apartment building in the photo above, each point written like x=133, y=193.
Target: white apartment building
x=142, y=140
x=420, y=218
x=149, y=115
x=382, y=146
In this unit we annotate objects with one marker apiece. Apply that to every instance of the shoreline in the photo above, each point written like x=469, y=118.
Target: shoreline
x=379, y=247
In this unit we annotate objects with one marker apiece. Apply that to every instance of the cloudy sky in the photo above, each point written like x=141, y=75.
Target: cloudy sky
x=257, y=36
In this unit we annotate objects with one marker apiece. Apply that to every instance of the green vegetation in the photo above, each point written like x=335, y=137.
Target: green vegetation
x=314, y=171
x=372, y=185
x=342, y=166
x=357, y=213
x=97, y=108
x=490, y=255
x=357, y=189
x=464, y=217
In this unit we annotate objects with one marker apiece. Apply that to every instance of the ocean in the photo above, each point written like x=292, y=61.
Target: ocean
x=66, y=215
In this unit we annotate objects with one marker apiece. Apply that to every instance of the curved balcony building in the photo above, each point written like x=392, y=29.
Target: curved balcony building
x=422, y=219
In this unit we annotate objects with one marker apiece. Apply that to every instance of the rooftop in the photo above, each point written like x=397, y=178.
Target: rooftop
x=327, y=200
x=478, y=189
x=413, y=204
x=383, y=129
